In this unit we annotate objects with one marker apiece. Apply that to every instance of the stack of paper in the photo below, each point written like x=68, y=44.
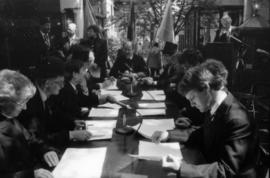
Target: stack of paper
x=103, y=112
x=81, y=163
x=150, y=112
x=101, y=129
x=153, y=151
x=151, y=105
x=149, y=126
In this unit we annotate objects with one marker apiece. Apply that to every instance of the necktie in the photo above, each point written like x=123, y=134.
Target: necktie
x=47, y=40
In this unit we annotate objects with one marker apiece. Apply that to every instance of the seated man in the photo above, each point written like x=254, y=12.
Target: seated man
x=129, y=62
x=19, y=151
x=228, y=138
x=75, y=94
x=40, y=118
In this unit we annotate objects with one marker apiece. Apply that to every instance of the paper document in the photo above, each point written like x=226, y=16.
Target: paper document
x=151, y=105
x=150, y=112
x=149, y=126
x=156, y=95
x=81, y=163
x=110, y=105
x=103, y=112
x=153, y=151
x=101, y=129
x=111, y=92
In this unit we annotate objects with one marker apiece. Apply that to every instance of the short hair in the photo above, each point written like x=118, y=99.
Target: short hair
x=190, y=56
x=216, y=68
x=15, y=87
x=72, y=26
x=72, y=66
x=44, y=20
x=95, y=28
x=199, y=78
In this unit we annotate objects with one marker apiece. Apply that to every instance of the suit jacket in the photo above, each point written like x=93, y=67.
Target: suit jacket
x=40, y=120
x=17, y=150
x=136, y=64
x=70, y=101
x=228, y=140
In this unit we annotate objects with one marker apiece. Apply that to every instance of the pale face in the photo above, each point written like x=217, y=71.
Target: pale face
x=14, y=108
x=200, y=100
x=82, y=74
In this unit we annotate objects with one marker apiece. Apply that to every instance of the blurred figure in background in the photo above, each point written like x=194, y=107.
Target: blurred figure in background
x=154, y=60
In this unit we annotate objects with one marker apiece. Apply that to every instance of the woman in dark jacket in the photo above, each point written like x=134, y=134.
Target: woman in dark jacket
x=19, y=152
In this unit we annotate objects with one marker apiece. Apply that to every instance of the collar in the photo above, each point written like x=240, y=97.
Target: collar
x=43, y=34
x=221, y=96
x=43, y=96
x=73, y=86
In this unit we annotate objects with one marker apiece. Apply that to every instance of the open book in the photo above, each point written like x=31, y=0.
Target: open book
x=153, y=151
x=149, y=126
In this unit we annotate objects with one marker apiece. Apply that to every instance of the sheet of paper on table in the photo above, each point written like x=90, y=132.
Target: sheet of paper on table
x=110, y=105
x=156, y=95
x=149, y=126
x=150, y=112
x=152, y=105
x=103, y=112
x=100, y=129
x=81, y=163
x=153, y=151
x=111, y=92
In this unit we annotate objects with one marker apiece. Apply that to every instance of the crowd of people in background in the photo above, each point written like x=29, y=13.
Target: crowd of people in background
x=41, y=116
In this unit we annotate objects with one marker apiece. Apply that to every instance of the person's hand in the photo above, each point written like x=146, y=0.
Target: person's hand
x=148, y=80
x=171, y=162
x=79, y=124
x=107, y=83
x=159, y=136
x=111, y=99
x=51, y=158
x=42, y=173
x=80, y=135
x=83, y=85
x=183, y=122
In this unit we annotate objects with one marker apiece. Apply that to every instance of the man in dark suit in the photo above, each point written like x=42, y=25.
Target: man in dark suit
x=127, y=61
x=99, y=47
x=228, y=137
x=39, y=118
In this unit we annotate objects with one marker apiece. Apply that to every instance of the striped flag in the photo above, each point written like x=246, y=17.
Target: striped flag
x=165, y=31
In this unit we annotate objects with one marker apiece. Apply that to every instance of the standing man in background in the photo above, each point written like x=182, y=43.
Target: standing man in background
x=99, y=47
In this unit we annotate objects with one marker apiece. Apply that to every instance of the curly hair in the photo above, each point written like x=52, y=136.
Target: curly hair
x=14, y=87
x=199, y=78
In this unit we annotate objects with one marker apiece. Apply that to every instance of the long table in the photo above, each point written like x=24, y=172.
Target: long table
x=118, y=163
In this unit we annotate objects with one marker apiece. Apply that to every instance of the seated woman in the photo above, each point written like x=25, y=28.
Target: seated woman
x=228, y=137
x=18, y=150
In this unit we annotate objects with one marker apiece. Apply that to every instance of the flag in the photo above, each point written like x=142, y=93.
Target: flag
x=89, y=17
x=165, y=31
x=131, y=25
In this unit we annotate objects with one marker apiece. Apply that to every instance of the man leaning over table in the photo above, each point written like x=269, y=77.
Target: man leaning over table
x=40, y=118
x=227, y=139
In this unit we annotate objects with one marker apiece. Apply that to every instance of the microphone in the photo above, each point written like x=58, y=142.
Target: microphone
x=263, y=52
x=125, y=130
x=238, y=40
